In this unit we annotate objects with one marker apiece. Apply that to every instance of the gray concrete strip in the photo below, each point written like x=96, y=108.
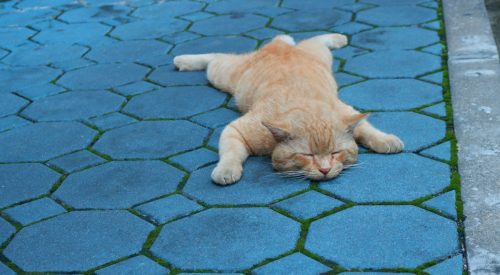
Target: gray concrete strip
x=474, y=71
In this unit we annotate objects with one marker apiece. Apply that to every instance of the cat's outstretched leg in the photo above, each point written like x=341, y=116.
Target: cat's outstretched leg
x=321, y=45
x=232, y=153
x=193, y=62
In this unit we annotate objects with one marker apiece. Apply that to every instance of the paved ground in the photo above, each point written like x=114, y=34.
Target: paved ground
x=106, y=150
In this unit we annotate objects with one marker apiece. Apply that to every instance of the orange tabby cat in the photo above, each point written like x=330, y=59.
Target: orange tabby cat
x=291, y=110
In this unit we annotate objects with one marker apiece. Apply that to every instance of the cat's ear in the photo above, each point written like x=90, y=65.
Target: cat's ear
x=353, y=120
x=279, y=132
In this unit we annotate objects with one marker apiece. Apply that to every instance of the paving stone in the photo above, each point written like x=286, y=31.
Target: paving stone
x=6, y=230
x=444, y=203
x=14, y=79
x=214, y=138
x=216, y=44
x=136, y=88
x=308, y=205
x=273, y=11
x=382, y=237
x=164, y=138
x=119, y=184
x=453, y=266
x=128, y=51
x=264, y=33
x=9, y=122
x=406, y=124
x=228, y=24
x=436, y=77
x=25, y=17
x=259, y=185
x=351, y=28
x=216, y=118
x=85, y=34
x=395, y=38
x=390, y=178
x=20, y=182
x=112, y=120
x=237, y=7
x=180, y=37
x=76, y=161
x=149, y=28
x=197, y=16
x=344, y=79
x=10, y=104
x=248, y=236
x=170, y=76
x=435, y=25
x=42, y=141
x=436, y=49
x=136, y=265
x=320, y=5
x=296, y=263
x=355, y=7
x=168, y=9
x=195, y=159
x=393, y=64
x=400, y=15
x=169, y=208
x=40, y=91
x=78, y=241
x=44, y=55
x=108, y=13
x=175, y=102
x=311, y=20
x=73, y=106
x=348, y=52
x=438, y=109
x=441, y=151
x=34, y=211
x=103, y=76
x=15, y=36
x=391, y=94
x=73, y=64
x=5, y=270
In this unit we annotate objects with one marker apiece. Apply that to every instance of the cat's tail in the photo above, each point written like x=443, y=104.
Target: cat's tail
x=193, y=62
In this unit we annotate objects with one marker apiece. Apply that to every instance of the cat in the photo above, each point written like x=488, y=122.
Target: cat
x=288, y=96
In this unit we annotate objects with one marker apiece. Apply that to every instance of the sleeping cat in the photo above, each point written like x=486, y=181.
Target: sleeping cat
x=291, y=110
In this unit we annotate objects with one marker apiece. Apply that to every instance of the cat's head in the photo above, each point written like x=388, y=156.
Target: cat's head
x=315, y=145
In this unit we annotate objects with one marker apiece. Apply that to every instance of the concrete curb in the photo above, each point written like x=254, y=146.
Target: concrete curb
x=474, y=72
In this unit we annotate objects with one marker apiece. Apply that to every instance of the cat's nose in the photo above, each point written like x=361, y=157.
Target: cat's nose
x=324, y=171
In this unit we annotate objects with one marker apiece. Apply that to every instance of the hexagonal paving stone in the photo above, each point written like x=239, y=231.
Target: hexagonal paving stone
x=136, y=88
x=74, y=105
x=237, y=6
x=311, y=20
x=393, y=64
x=216, y=118
x=78, y=241
x=296, y=263
x=175, y=102
x=136, y=265
x=85, y=34
x=163, y=138
x=10, y=104
x=416, y=131
x=193, y=160
x=259, y=185
x=351, y=28
x=149, y=28
x=24, y=181
x=127, y=51
x=42, y=141
x=76, y=161
x=6, y=230
x=119, y=184
x=216, y=44
x=227, y=239
x=315, y=5
x=168, y=9
x=228, y=24
x=401, y=177
x=103, y=76
x=44, y=55
x=107, y=13
x=169, y=208
x=14, y=79
x=382, y=237
x=395, y=38
x=308, y=205
x=34, y=211
x=112, y=120
x=15, y=36
x=400, y=15
x=391, y=94
x=170, y=76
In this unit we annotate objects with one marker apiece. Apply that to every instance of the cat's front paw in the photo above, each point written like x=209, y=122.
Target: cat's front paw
x=227, y=174
x=386, y=144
